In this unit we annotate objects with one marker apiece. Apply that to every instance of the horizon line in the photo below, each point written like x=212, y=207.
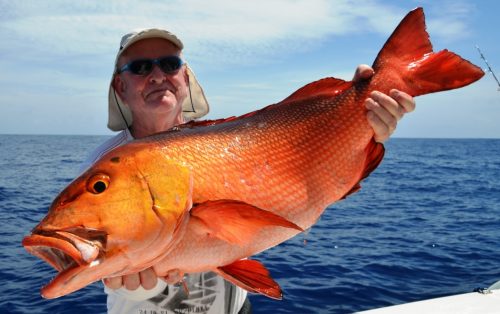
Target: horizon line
x=395, y=137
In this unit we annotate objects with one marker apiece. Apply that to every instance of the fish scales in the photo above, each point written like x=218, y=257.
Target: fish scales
x=297, y=152
x=308, y=173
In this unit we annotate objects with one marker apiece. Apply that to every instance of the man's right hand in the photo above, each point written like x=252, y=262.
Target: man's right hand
x=146, y=278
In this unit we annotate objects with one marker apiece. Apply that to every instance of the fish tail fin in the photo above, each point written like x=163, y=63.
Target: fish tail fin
x=408, y=54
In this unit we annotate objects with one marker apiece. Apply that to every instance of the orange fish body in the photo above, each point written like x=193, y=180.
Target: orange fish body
x=208, y=194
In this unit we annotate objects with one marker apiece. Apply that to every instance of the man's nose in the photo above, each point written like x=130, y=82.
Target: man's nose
x=157, y=75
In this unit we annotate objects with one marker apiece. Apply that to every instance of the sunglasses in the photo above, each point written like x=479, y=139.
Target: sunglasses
x=168, y=65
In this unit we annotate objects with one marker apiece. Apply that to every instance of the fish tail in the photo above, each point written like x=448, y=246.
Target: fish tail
x=408, y=54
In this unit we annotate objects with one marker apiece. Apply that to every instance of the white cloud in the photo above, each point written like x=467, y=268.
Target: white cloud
x=57, y=55
x=233, y=29
x=451, y=20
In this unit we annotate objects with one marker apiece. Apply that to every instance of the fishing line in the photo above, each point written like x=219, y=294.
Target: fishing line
x=190, y=96
x=121, y=112
x=489, y=67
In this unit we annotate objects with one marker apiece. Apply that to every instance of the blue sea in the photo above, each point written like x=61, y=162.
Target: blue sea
x=425, y=224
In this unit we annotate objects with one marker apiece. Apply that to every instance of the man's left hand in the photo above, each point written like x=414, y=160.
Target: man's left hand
x=384, y=111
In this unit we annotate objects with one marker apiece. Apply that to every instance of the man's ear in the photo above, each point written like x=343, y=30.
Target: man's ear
x=119, y=85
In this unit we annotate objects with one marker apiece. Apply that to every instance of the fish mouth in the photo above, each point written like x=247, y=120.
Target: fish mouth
x=69, y=251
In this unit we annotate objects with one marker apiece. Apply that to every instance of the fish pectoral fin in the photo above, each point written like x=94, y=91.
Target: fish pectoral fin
x=236, y=221
x=252, y=276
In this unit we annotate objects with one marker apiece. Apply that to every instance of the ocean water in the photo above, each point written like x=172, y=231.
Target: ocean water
x=425, y=224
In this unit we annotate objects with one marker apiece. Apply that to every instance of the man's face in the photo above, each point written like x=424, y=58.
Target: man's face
x=156, y=95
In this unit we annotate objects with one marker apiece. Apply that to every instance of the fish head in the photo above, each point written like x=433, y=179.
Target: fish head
x=118, y=217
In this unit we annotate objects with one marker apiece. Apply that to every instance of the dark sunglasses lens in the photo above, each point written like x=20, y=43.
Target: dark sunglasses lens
x=141, y=67
x=170, y=64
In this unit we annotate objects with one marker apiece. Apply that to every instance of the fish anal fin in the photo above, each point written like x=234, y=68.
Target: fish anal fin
x=235, y=221
x=353, y=190
x=329, y=87
x=252, y=276
x=374, y=155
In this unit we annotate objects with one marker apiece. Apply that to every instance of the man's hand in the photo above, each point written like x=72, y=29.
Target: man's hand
x=146, y=278
x=384, y=111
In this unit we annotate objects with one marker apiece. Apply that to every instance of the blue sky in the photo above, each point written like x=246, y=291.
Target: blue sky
x=56, y=57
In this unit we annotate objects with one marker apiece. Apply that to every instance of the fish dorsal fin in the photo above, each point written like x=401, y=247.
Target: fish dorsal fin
x=374, y=155
x=329, y=86
x=252, y=276
x=235, y=221
x=201, y=123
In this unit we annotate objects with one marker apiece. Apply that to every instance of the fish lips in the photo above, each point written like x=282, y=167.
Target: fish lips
x=69, y=251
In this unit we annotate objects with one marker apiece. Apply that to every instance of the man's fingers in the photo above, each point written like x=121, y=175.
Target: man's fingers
x=404, y=100
x=363, y=72
x=381, y=130
x=382, y=113
x=148, y=278
x=132, y=281
x=113, y=282
x=390, y=105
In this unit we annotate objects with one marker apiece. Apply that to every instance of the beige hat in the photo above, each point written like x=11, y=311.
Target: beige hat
x=193, y=107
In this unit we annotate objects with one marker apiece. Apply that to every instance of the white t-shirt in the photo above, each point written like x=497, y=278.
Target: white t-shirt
x=206, y=292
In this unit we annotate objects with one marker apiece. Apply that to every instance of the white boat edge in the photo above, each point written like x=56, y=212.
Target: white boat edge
x=484, y=301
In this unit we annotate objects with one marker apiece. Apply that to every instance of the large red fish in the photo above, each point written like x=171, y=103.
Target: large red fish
x=207, y=195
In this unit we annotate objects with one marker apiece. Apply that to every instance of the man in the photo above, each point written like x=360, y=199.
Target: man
x=152, y=90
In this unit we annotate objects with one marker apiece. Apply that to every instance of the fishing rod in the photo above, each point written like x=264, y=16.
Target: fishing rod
x=489, y=68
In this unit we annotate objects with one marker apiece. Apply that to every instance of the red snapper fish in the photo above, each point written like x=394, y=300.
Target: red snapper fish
x=207, y=195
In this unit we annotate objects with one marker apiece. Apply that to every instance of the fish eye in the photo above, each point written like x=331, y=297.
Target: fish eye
x=98, y=183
